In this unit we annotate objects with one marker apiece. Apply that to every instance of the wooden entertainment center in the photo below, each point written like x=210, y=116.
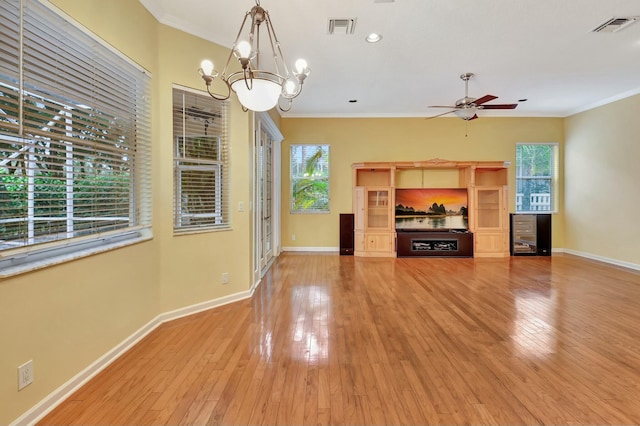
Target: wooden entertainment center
x=374, y=185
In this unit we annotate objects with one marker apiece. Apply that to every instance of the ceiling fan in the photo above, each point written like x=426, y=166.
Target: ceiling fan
x=467, y=107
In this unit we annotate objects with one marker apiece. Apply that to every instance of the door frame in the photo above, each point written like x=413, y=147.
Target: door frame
x=262, y=120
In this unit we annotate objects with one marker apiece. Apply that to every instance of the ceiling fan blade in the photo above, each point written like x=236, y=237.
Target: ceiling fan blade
x=474, y=117
x=439, y=115
x=485, y=98
x=442, y=106
x=500, y=106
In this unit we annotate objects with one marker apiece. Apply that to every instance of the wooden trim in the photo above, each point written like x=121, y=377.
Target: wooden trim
x=434, y=163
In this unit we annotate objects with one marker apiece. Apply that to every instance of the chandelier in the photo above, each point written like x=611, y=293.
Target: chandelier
x=257, y=88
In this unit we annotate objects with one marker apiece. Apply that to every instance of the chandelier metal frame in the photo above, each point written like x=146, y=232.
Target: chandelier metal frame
x=251, y=77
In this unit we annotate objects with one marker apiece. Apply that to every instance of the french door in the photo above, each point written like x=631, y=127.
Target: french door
x=267, y=193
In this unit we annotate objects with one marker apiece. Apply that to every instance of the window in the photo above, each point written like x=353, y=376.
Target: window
x=74, y=140
x=535, y=177
x=201, y=199
x=309, y=178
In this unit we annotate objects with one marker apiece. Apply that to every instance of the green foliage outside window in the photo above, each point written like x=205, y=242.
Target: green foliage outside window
x=535, y=177
x=310, y=178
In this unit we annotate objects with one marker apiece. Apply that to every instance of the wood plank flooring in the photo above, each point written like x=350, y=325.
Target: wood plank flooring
x=331, y=339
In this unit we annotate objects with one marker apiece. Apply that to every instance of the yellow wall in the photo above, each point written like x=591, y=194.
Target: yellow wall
x=66, y=317
x=191, y=265
x=602, y=173
x=355, y=140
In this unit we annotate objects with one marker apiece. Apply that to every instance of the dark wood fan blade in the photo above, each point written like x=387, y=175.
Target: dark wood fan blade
x=500, y=106
x=474, y=117
x=444, y=113
x=485, y=98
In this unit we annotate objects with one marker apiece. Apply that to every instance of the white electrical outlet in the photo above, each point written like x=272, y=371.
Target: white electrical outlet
x=225, y=278
x=293, y=237
x=25, y=374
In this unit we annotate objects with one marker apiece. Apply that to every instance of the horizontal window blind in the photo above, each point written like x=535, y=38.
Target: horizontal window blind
x=201, y=178
x=74, y=132
x=9, y=67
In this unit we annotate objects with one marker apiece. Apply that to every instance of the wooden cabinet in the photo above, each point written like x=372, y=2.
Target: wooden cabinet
x=374, y=188
x=373, y=207
x=374, y=231
x=530, y=234
x=490, y=221
x=375, y=244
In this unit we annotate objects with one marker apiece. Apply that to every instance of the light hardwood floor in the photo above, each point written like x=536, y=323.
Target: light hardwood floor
x=331, y=339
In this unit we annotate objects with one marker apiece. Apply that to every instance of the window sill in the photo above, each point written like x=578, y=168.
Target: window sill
x=180, y=232
x=67, y=255
x=309, y=212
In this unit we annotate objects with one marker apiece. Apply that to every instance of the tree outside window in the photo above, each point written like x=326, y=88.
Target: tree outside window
x=309, y=178
x=535, y=177
x=74, y=140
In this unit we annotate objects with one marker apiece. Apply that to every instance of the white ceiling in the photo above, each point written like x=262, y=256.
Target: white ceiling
x=541, y=50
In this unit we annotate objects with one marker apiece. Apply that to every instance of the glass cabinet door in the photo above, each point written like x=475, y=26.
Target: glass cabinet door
x=523, y=233
x=378, y=208
x=488, y=208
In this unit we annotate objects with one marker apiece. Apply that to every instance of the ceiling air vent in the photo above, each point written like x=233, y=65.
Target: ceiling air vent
x=342, y=25
x=615, y=24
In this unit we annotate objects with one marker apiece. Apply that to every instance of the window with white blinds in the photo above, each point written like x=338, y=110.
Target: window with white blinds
x=309, y=178
x=201, y=163
x=74, y=138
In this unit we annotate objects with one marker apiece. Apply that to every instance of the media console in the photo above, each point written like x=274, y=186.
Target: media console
x=445, y=243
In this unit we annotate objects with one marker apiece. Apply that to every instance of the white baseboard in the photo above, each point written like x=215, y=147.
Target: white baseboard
x=609, y=260
x=55, y=398
x=323, y=249
x=254, y=287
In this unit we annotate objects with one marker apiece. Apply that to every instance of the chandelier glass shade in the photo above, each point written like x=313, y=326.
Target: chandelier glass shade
x=258, y=88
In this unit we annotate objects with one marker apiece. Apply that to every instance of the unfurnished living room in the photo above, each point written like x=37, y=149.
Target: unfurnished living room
x=365, y=212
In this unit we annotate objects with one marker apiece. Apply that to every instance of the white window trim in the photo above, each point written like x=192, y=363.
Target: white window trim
x=554, y=179
x=291, y=178
x=205, y=165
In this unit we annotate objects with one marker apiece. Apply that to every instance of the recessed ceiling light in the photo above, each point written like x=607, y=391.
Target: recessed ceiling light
x=373, y=38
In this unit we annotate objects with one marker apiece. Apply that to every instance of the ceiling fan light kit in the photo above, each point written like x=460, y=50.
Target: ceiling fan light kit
x=257, y=88
x=468, y=113
x=466, y=108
